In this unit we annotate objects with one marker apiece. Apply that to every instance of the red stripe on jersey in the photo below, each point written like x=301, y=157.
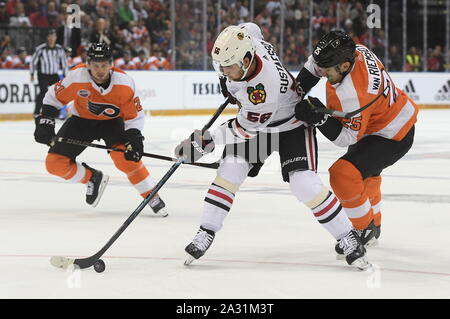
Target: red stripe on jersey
x=312, y=154
x=221, y=195
x=326, y=209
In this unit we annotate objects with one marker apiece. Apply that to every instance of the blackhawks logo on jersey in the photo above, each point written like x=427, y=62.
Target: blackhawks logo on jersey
x=256, y=94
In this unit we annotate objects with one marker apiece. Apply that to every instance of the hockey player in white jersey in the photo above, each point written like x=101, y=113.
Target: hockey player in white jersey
x=266, y=95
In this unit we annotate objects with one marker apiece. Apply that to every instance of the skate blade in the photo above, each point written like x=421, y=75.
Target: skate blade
x=61, y=262
x=372, y=242
x=362, y=263
x=162, y=213
x=189, y=260
x=101, y=189
x=340, y=257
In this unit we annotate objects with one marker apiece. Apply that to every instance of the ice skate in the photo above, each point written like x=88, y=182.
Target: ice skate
x=158, y=206
x=368, y=237
x=354, y=251
x=95, y=186
x=199, y=245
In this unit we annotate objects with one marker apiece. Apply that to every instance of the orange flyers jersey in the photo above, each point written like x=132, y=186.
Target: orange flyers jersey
x=96, y=103
x=391, y=116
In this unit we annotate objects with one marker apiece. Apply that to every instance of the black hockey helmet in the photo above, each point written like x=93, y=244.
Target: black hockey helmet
x=51, y=32
x=99, y=52
x=334, y=48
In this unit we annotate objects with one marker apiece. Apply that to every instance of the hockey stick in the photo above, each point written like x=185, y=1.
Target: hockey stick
x=82, y=263
x=349, y=115
x=161, y=157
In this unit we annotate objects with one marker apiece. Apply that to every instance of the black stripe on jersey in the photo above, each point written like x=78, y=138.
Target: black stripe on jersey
x=329, y=218
x=49, y=60
x=220, y=205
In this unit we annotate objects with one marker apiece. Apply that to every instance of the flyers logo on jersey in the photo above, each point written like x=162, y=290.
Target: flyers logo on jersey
x=108, y=110
x=256, y=94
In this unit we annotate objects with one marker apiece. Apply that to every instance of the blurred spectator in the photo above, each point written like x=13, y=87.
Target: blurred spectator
x=125, y=14
x=11, y=7
x=436, y=60
x=4, y=16
x=5, y=43
x=52, y=14
x=141, y=61
x=125, y=62
x=101, y=34
x=241, y=10
x=19, y=19
x=157, y=62
x=140, y=31
x=89, y=8
x=39, y=19
x=22, y=60
x=72, y=62
x=413, y=61
x=139, y=12
x=395, y=62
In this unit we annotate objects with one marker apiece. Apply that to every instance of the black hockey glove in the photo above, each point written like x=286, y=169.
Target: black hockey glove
x=307, y=111
x=45, y=130
x=134, y=147
x=45, y=125
x=224, y=90
x=195, y=147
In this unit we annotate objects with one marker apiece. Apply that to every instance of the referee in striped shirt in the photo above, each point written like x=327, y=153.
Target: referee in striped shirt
x=49, y=60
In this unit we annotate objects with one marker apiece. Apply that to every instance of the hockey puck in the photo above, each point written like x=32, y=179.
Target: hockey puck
x=99, y=266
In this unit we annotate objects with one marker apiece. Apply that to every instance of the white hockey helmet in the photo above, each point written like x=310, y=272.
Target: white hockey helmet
x=231, y=46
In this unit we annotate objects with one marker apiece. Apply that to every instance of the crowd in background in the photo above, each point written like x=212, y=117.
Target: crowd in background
x=140, y=32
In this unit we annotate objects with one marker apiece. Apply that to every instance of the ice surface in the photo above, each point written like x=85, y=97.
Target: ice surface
x=270, y=246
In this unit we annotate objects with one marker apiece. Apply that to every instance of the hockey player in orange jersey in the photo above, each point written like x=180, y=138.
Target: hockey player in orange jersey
x=376, y=138
x=105, y=106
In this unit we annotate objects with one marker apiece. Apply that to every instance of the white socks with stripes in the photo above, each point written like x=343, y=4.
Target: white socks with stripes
x=308, y=188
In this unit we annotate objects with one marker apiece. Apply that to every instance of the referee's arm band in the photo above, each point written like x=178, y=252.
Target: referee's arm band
x=331, y=128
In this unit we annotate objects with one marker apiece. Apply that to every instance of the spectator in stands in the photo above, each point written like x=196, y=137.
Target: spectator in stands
x=20, y=19
x=72, y=62
x=157, y=61
x=395, y=62
x=139, y=12
x=436, y=60
x=413, y=61
x=139, y=31
x=141, y=61
x=125, y=62
x=125, y=14
x=89, y=8
x=52, y=15
x=241, y=10
x=22, y=60
x=4, y=16
x=101, y=34
x=5, y=43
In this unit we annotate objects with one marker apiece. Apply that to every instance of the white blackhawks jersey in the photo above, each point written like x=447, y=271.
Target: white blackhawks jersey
x=266, y=99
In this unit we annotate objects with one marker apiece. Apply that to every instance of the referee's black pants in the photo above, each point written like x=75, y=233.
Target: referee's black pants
x=44, y=80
